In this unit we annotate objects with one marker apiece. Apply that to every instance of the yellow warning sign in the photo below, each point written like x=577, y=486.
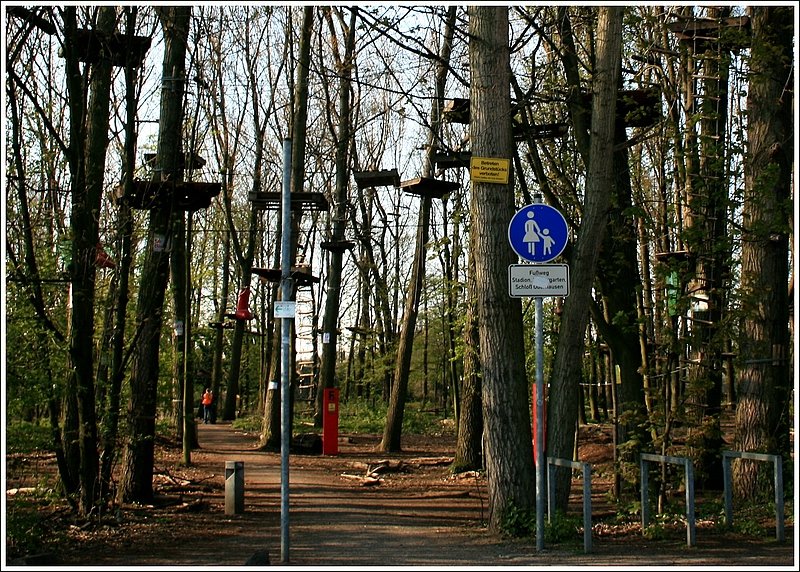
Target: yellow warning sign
x=489, y=170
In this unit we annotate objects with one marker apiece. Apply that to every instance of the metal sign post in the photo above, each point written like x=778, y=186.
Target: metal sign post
x=540, y=467
x=286, y=326
x=538, y=233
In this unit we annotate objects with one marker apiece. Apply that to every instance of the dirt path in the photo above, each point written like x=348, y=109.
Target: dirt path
x=337, y=521
x=418, y=515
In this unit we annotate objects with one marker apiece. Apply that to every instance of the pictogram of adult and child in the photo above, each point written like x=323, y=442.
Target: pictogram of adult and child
x=534, y=235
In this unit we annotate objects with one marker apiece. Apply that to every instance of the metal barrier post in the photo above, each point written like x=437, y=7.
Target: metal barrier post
x=587, y=507
x=234, y=487
x=726, y=484
x=777, y=462
x=689, y=477
x=644, y=493
x=552, y=462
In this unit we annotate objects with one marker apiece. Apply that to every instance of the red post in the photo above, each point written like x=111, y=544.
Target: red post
x=330, y=421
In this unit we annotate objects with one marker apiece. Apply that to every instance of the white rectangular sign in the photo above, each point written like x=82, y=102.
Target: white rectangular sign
x=284, y=309
x=538, y=280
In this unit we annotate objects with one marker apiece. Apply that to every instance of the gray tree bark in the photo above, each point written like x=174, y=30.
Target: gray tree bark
x=507, y=441
x=468, y=455
x=136, y=484
x=566, y=374
x=87, y=176
x=110, y=427
x=765, y=381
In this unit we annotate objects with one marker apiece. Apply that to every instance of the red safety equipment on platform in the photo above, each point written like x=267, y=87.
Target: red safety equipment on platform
x=330, y=421
x=534, y=424
x=102, y=259
x=242, y=310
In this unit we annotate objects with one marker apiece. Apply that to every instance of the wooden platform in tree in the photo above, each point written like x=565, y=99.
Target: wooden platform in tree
x=182, y=195
x=673, y=256
x=539, y=131
x=359, y=331
x=337, y=245
x=300, y=274
x=451, y=159
x=196, y=161
x=731, y=33
x=429, y=187
x=383, y=178
x=458, y=111
x=307, y=200
x=92, y=45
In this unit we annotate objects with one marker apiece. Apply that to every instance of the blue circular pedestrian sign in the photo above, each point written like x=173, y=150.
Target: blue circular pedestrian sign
x=538, y=232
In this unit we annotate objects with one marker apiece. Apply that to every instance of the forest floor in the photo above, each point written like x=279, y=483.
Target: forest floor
x=359, y=508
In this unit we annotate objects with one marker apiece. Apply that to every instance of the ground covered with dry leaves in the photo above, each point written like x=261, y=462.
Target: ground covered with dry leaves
x=359, y=508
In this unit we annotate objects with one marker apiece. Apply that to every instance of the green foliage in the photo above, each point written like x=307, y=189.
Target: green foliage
x=755, y=518
x=563, y=528
x=250, y=423
x=655, y=531
x=517, y=522
x=359, y=416
x=625, y=510
x=26, y=437
x=419, y=422
x=750, y=527
x=27, y=529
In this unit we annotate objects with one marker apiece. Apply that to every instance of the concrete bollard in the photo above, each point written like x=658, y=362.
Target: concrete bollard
x=234, y=487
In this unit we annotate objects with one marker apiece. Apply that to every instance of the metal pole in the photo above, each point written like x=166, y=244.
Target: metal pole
x=587, y=507
x=286, y=324
x=540, y=446
x=689, y=485
x=779, y=533
x=540, y=468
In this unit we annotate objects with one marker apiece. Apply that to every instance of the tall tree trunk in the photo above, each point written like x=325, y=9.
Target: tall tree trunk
x=508, y=448
x=469, y=454
x=246, y=264
x=110, y=428
x=222, y=297
x=450, y=295
x=180, y=302
x=706, y=237
x=136, y=484
x=87, y=191
x=566, y=374
x=187, y=418
x=394, y=418
x=271, y=428
x=617, y=269
x=330, y=320
x=765, y=382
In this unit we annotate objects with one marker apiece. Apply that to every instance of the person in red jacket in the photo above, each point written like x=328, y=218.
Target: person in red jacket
x=208, y=403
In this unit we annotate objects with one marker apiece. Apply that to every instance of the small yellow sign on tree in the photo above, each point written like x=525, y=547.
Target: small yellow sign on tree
x=489, y=170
